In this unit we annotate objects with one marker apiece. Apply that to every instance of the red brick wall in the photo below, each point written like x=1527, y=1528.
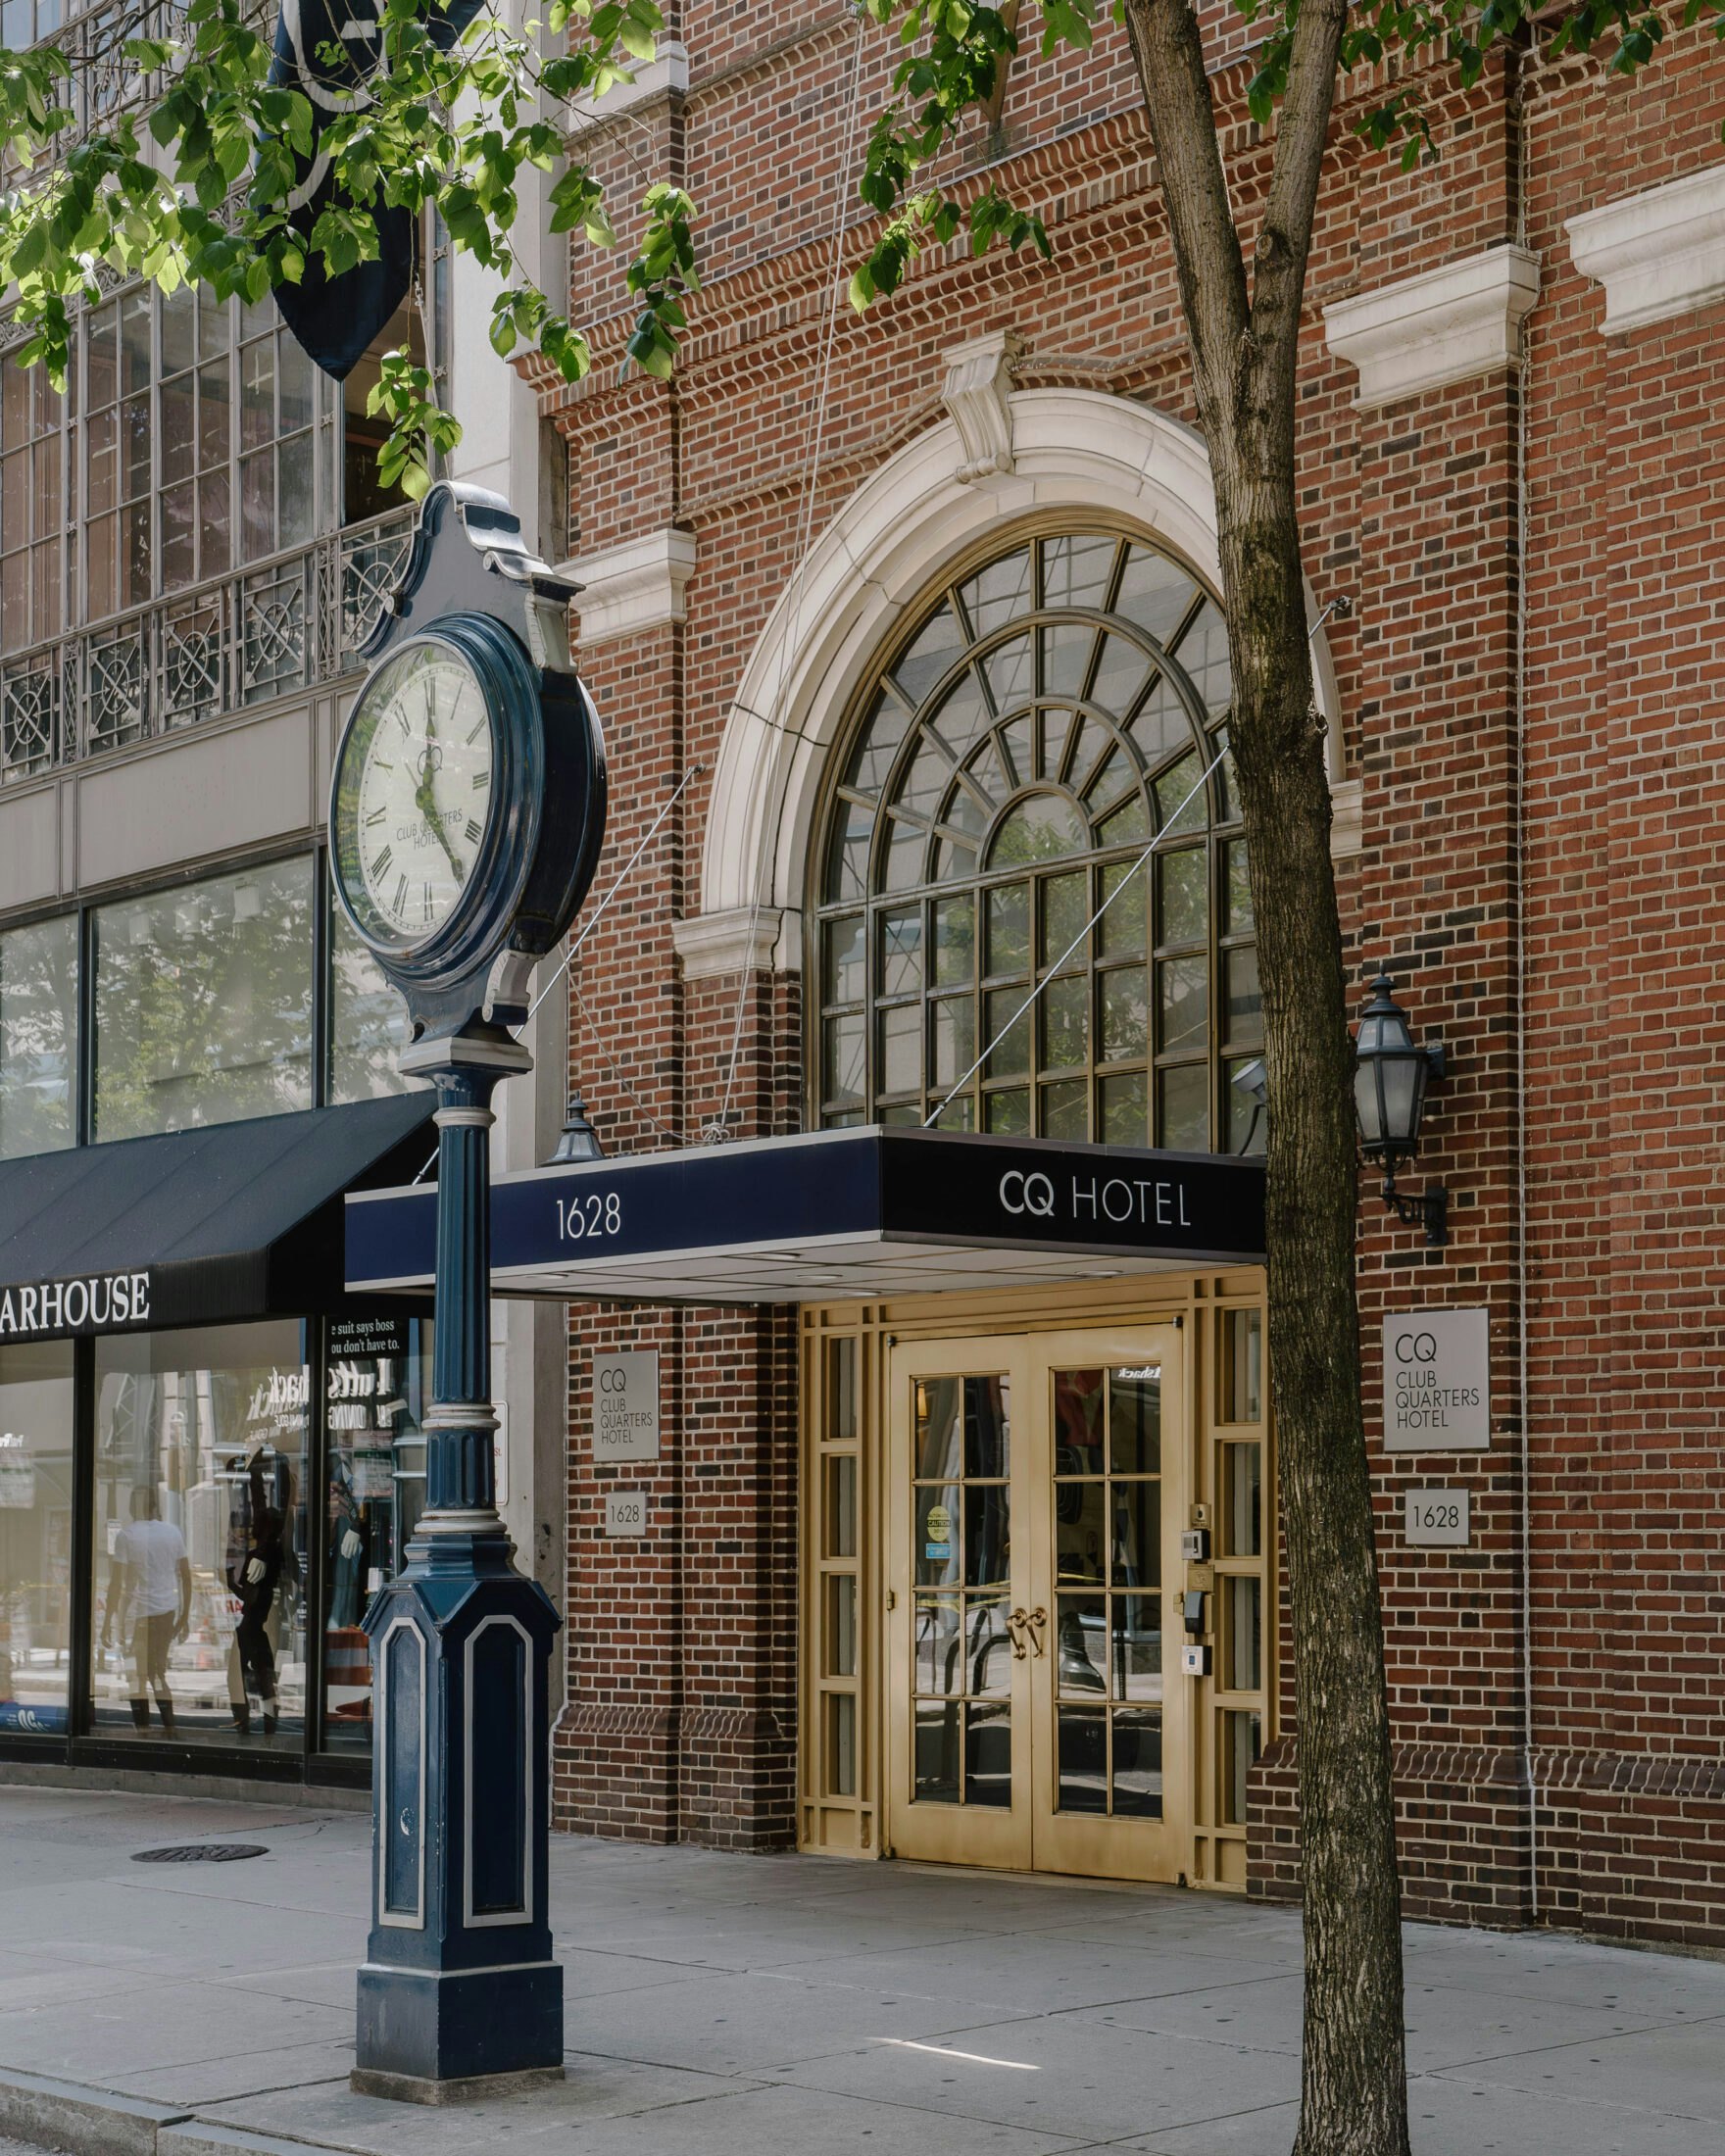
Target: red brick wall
x=1530, y=687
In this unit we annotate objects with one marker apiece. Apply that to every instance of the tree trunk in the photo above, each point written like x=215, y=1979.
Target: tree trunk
x=1353, y=2099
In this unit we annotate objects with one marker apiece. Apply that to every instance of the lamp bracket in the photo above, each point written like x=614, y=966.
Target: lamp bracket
x=1437, y=1058
x=1430, y=1210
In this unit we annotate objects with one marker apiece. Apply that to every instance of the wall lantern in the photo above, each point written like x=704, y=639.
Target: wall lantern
x=1389, y=1078
x=578, y=1141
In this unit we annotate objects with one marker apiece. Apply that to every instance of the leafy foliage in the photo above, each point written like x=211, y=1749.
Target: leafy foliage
x=172, y=158
x=956, y=48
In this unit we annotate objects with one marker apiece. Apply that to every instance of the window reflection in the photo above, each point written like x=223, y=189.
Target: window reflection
x=377, y=1372
x=35, y=1537
x=200, y=1532
x=204, y=1003
x=38, y=1036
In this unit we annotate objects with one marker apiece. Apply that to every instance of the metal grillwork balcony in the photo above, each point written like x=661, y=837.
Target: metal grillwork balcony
x=285, y=624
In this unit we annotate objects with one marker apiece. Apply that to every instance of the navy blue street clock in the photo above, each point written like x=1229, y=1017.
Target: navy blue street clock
x=466, y=816
x=468, y=806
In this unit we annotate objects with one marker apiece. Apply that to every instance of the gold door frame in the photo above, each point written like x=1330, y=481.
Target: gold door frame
x=842, y=1763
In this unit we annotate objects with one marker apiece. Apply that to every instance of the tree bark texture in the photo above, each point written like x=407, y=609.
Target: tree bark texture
x=1353, y=2099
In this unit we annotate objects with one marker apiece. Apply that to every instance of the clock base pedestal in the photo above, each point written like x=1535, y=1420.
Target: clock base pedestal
x=460, y=1985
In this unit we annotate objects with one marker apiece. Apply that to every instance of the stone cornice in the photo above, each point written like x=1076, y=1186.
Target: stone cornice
x=636, y=586
x=1444, y=325
x=1657, y=254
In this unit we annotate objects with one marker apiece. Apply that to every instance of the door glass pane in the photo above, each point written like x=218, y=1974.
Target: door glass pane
x=986, y=1436
x=1136, y=1547
x=1082, y=1645
x=36, y=1538
x=841, y=1625
x=960, y=1643
x=988, y=1647
x=1083, y=1760
x=841, y=1508
x=987, y=1533
x=1242, y=1371
x=1108, y=1534
x=938, y=1513
x=1136, y=1783
x=1135, y=1647
x=1081, y=1531
x=1243, y=1667
x=1135, y=1420
x=987, y=1753
x=201, y=1535
x=1243, y=1501
x=938, y=1645
x=1242, y=1739
x=938, y=1732
x=840, y=1745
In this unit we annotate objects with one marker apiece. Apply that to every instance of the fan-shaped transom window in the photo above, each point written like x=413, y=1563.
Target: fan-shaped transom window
x=1043, y=719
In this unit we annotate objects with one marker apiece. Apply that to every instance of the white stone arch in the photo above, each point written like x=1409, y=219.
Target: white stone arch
x=1073, y=449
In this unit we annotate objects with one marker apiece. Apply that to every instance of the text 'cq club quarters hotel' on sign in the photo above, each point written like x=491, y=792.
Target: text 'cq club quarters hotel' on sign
x=882, y=1358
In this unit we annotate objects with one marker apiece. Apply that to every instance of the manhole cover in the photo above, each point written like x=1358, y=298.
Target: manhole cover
x=201, y=1852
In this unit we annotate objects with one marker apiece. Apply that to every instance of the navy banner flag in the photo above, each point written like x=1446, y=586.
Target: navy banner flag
x=328, y=49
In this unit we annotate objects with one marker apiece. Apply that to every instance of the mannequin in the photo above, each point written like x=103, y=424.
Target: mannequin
x=258, y=1553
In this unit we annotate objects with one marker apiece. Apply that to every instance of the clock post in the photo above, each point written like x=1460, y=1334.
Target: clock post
x=471, y=699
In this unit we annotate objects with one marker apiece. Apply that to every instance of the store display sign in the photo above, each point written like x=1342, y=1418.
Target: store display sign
x=350, y=1337
x=1437, y=1519
x=625, y=1405
x=98, y=1302
x=1437, y=1382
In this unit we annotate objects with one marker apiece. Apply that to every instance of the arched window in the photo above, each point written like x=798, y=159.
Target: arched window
x=1041, y=719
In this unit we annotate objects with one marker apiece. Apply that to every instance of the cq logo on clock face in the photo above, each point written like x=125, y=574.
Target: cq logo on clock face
x=1027, y=1194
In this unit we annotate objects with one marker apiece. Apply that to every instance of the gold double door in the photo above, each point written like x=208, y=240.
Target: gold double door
x=1037, y=1718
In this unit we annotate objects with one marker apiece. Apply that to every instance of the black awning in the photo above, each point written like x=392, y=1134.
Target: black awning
x=195, y=1227
x=830, y=1214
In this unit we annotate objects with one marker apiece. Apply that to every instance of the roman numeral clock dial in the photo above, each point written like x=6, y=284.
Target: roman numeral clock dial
x=415, y=794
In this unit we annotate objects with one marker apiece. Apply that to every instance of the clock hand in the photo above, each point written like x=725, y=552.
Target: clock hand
x=425, y=800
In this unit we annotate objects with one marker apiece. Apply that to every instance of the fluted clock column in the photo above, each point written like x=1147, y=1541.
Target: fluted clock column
x=460, y=1992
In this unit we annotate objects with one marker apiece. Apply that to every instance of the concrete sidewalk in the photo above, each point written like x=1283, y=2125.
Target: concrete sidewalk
x=794, y=2006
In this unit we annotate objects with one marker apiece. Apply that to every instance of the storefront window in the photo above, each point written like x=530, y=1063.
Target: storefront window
x=38, y=1036
x=367, y=1020
x=204, y=1003
x=379, y=1375
x=35, y=1537
x=200, y=1534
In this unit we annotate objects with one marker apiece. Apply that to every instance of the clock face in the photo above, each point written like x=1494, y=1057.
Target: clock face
x=418, y=777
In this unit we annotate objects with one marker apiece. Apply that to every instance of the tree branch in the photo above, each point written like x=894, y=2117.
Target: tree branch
x=1169, y=49
x=1284, y=239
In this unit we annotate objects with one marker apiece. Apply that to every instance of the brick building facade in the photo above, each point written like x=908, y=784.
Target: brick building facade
x=1508, y=450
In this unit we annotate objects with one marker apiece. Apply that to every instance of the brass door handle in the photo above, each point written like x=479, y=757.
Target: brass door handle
x=1015, y=1624
x=1025, y=1624
x=1034, y=1622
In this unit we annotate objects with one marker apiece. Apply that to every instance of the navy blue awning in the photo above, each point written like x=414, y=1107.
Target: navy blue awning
x=834, y=1213
x=195, y=1227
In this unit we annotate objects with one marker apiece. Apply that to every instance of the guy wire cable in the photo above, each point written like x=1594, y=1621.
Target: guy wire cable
x=715, y=1132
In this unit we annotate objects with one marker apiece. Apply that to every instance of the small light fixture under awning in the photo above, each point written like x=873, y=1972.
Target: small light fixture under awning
x=833, y=1213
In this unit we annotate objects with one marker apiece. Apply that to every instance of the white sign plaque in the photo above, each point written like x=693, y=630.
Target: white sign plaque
x=625, y=1405
x=626, y=1512
x=1437, y=1382
x=1437, y=1519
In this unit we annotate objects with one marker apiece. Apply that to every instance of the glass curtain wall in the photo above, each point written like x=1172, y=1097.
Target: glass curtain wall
x=200, y=1534
x=38, y=1036
x=35, y=1537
